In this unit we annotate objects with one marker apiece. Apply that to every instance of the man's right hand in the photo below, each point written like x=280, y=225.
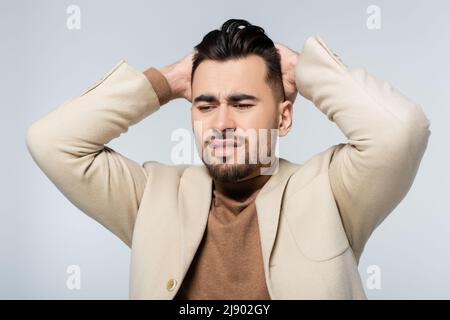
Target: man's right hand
x=178, y=75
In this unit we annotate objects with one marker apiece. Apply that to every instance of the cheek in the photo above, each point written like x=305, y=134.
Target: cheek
x=200, y=124
x=261, y=118
x=194, y=115
x=198, y=116
x=201, y=127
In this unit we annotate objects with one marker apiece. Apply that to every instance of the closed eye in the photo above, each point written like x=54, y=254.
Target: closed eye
x=205, y=108
x=240, y=106
x=244, y=106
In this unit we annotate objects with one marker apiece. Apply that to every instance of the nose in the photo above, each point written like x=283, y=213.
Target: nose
x=224, y=119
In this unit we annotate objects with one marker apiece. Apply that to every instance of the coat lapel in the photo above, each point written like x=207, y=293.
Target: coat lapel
x=268, y=207
x=195, y=201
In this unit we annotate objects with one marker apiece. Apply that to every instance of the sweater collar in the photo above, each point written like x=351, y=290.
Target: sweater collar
x=238, y=195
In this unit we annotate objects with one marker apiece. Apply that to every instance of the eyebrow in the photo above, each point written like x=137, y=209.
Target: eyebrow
x=231, y=98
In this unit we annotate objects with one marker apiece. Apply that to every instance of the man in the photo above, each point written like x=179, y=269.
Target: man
x=230, y=229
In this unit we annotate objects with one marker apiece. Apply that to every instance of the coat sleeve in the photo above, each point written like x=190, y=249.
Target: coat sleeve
x=386, y=133
x=68, y=144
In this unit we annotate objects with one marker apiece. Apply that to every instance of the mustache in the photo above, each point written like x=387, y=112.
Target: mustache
x=224, y=135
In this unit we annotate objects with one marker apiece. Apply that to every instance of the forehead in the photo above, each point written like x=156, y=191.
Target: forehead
x=222, y=77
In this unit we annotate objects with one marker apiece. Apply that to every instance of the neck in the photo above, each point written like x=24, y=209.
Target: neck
x=243, y=188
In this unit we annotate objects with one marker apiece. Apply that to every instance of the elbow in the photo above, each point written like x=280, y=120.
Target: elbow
x=36, y=141
x=411, y=127
x=31, y=138
x=405, y=140
x=418, y=126
x=420, y=118
x=410, y=139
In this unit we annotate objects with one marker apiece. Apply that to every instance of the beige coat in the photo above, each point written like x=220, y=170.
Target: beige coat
x=314, y=218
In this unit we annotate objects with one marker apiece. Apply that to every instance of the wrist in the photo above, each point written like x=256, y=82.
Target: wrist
x=160, y=85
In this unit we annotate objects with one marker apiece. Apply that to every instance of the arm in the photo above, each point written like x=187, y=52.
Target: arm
x=387, y=135
x=68, y=144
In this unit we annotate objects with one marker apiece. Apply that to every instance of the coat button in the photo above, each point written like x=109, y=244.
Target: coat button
x=171, y=284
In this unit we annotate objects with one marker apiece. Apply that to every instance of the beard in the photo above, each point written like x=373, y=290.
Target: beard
x=236, y=166
x=230, y=172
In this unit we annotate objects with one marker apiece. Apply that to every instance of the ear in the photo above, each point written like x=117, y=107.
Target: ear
x=285, y=118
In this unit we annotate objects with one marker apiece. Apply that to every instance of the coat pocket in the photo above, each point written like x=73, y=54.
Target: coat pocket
x=314, y=221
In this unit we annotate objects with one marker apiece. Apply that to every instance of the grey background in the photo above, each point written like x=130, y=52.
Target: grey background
x=43, y=63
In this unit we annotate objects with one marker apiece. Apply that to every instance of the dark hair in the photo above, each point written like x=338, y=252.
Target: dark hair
x=237, y=39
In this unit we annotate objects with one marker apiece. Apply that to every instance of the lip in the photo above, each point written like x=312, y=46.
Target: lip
x=224, y=147
x=224, y=143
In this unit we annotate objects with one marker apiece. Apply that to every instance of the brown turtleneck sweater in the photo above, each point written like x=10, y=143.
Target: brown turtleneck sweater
x=228, y=263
